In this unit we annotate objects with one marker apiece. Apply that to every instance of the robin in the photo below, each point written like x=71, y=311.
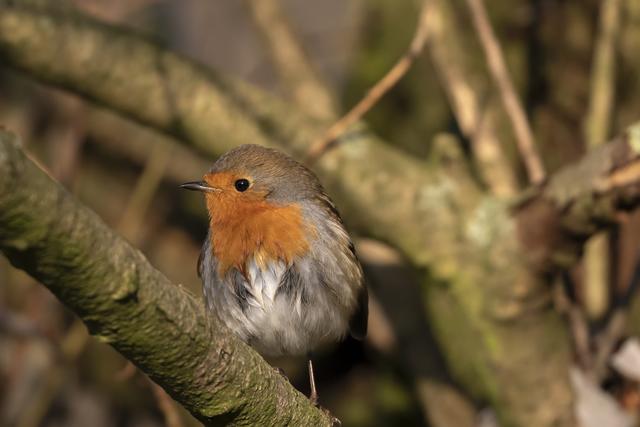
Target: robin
x=277, y=266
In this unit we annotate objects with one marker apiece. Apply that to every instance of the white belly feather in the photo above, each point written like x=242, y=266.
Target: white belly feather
x=272, y=321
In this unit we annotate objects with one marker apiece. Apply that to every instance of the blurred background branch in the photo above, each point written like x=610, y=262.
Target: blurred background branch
x=597, y=261
x=304, y=86
x=385, y=84
x=512, y=106
x=467, y=88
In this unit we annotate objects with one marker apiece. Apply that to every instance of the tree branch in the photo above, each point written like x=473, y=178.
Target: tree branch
x=128, y=304
x=580, y=200
x=598, y=258
x=500, y=74
x=296, y=72
x=479, y=115
x=321, y=144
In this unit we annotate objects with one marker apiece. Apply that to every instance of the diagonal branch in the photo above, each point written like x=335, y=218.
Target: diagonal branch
x=128, y=304
x=512, y=105
x=321, y=144
x=289, y=58
x=479, y=115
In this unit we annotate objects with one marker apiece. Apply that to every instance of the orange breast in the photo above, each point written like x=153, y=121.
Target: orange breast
x=248, y=228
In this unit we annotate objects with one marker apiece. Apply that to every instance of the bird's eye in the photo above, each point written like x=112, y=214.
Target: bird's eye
x=241, y=185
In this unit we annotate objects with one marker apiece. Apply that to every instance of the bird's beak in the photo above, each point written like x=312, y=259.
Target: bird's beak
x=199, y=186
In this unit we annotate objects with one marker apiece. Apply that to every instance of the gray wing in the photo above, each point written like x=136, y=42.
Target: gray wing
x=359, y=319
x=360, y=316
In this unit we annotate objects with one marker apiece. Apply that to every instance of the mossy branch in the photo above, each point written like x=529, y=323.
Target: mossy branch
x=130, y=305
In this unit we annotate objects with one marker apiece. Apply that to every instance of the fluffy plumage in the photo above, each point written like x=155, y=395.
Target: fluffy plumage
x=278, y=266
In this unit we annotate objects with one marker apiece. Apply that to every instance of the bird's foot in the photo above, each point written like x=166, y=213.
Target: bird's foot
x=313, y=398
x=281, y=372
x=334, y=420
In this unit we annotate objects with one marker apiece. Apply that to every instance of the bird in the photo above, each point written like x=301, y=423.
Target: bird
x=277, y=266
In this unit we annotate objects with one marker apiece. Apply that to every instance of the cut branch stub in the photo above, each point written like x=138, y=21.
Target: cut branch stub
x=557, y=217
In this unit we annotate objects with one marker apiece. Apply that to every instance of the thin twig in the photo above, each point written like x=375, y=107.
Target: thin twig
x=616, y=326
x=142, y=195
x=512, y=105
x=322, y=144
x=288, y=57
x=565, y=303
x=607, y=341
x=602, y=90
x=580, y=334
x=474, y=107
x=597, y=259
